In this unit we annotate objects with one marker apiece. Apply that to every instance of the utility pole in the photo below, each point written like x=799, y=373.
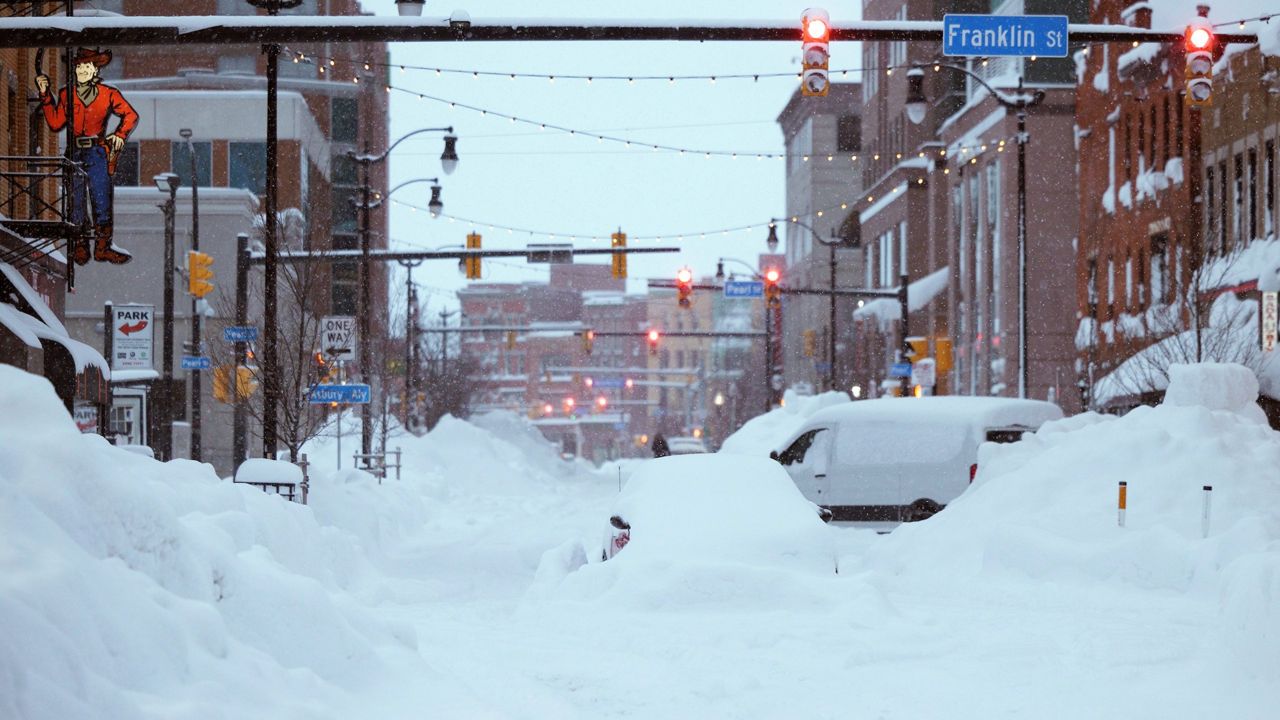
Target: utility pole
x=167, y=181
x=239, y=449
x=270, y=366
x=195, y=301
x=410, y=333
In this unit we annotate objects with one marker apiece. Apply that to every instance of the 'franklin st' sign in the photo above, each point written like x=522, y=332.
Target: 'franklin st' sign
x=1004, y=35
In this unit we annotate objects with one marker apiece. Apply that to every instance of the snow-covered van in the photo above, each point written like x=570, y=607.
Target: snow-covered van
x=901, y=459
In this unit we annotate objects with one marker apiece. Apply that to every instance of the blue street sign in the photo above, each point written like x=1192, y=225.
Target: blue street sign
x=195, y=362
x=609, y=383
x=822, y=367
x=743, y=289
x=1004, y=35
x=342, y=394
x=900, y=370
x=240, y=333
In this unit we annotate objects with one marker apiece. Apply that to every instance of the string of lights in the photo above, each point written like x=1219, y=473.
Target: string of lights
x=967, y=154
x=328, y=64
x=1241, y=23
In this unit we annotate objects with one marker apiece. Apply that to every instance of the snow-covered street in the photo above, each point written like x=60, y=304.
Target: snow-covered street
x=135, y=589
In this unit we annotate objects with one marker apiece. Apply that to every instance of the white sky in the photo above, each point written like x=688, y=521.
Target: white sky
x=520, y=176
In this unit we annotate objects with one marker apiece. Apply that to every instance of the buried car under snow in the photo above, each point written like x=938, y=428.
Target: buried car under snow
x=717, y=507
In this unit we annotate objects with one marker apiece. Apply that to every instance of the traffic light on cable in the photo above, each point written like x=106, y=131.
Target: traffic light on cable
x=815, y=27
x=1201, y=48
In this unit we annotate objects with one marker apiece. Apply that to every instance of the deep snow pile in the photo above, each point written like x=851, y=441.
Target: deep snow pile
x=766, y=432
x=131, y=588
x=1045, y=510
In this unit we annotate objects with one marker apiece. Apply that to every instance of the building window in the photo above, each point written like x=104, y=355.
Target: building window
x=1168, y=131
x=1126, y=149
x=343, y=289
x=181, y=162
x=345, y=114
x=344, y=211
x=248, y=166
x=1128, y=283
x=1268, y=212
x=1211, y=212
x=1222, y=207
x=238, y=64
x=1091, y=286
x=849, y=133
x=1111, y=285
x=993, y=228
x=1253, y=194
x=1159, y=268
x=127, y=168
x=1237, y=206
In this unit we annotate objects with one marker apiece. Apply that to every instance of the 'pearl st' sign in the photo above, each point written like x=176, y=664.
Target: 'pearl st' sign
x=1004, y=35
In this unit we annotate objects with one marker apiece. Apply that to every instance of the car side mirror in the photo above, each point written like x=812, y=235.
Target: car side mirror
x=773, y=455
x=619, y=523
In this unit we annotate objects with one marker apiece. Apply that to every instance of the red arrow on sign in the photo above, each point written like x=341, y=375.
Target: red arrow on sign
x=128, y=329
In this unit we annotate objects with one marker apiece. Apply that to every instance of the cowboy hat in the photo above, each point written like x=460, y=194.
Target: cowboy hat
x=98, y=57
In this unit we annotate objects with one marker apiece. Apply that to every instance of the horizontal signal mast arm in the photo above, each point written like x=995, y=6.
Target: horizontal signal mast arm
x=322, y=256
x=212, y=30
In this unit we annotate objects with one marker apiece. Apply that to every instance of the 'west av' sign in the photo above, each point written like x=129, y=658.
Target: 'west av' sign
x=1004, y=35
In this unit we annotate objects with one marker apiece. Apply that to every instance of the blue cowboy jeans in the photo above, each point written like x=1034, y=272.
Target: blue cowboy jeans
x=96, y=183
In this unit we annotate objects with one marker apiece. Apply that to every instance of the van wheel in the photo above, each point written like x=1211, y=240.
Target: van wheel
x=922, y=510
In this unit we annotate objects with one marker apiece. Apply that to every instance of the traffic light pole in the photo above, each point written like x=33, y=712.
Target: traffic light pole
x=196, y=343
x=238, y=445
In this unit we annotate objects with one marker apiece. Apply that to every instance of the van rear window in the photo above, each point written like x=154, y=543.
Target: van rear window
x=1005, y=435
x=892, y=443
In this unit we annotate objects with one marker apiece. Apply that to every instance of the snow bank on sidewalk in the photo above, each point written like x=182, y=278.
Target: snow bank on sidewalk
x=133, y=588
x=1045, y=510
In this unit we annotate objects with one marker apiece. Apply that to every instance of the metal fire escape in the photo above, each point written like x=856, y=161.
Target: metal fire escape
x=36, y=190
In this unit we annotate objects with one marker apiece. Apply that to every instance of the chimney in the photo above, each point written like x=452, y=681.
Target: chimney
x=1137, y=15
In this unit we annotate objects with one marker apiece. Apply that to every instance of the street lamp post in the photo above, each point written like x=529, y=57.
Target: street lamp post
x=196, y=452
x=270, y=365
x=1019, y=102
x=835, y=241
x=167, y=182
x=448, y=163
x=769, y=389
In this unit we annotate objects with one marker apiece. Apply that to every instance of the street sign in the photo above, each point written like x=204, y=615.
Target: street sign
x=615, y=383
x=924, y=373
x=86, y=417
x=240, y=333
x=131, y=337
x=900, y=370
x=1004, y=35
x=341, y=394
x=195, y=362
x=743, y=289
x=556, y=253
x=338, y=335
x=1269, y=316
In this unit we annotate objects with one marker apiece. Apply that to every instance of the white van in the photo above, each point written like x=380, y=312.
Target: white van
x=901, y=459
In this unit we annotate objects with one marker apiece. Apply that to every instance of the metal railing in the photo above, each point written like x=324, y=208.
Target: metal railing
x=293, y=492
x=376, y=463
x=35, y=202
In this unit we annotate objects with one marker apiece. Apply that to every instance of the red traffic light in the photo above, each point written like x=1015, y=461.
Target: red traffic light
x=816, y=26
x=772, y=276
x=684, y=276
x=602, y=402
x=654, y=336
x=1199, y=38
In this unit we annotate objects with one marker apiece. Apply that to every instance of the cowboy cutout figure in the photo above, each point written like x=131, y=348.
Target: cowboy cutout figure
x=95, y=150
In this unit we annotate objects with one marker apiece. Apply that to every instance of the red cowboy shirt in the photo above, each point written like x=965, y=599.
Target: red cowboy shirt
x=91, y=120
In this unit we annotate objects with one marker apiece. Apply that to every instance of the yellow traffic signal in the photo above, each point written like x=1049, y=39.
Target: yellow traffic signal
x=246, y=385
x=473, y=263
x=815, y=52
x=588, y=340
x=919, y=349
x=619, y=258
x=772, y=292
x=1200, y=46
x=222, y=384
x=684, y=287
x=199, y=273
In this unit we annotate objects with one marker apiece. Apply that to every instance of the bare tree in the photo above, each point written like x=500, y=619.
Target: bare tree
x=301, y=300
x=1204, y=323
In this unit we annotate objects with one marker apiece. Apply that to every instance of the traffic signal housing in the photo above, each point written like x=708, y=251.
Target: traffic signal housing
x=772, y=292
x=473, y=263
x=199, y=273
x=653, y=337
x=1200, y=46
x=919, y=349
x=810, y=342
x=815, y=27
x=619, y=258
x=684, y=287
x=588, y=341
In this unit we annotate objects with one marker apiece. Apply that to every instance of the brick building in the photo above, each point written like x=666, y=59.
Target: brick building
x=219, y=94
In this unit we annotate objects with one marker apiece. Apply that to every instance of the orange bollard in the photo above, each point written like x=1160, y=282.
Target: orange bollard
x=1124, y=487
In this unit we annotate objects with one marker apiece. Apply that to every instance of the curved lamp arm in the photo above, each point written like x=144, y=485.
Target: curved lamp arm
x=917, y=103
x=449, y=159
x=435, y=206
x=720, y=268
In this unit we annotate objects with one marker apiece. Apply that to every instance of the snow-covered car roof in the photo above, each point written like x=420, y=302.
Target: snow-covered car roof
x=715, y=507
x=988, y=411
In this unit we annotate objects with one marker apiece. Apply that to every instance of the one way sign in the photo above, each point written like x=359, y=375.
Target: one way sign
x=338, y=335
